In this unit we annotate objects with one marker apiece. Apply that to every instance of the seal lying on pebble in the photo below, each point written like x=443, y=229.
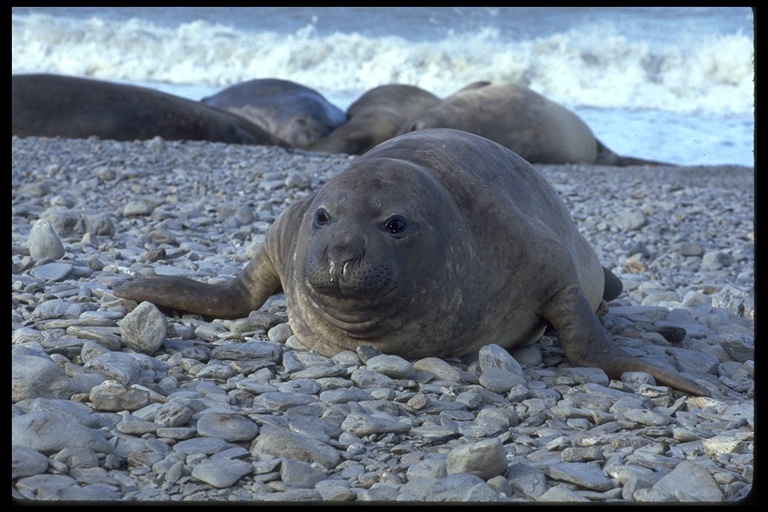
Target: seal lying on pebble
x=539, y=130
x=433, y=243
x=45, y=105
x=374, y=117
x=292, y=112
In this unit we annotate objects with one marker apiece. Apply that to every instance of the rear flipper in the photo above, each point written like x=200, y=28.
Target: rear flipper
x=615, y=362
x=586, y=343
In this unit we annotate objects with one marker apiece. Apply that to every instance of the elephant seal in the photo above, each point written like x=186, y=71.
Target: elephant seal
x=433, y=243
x=292, y=112
x=44, y=105
x=539, y=130
x=374, y=117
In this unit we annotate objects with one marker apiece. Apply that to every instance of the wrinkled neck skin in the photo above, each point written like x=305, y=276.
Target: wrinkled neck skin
x=407, y=319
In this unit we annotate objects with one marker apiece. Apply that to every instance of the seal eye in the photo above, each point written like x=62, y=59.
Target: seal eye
x=321, y=218
x=396, y=225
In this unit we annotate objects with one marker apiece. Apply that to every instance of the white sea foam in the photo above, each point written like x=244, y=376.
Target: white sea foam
x=687, y=99
x=592, y=68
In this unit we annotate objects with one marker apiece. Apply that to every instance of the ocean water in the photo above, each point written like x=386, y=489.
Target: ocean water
x=668, y=83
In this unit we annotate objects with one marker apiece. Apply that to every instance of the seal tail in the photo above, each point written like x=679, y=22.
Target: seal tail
x=613, y=285
x=607, y=157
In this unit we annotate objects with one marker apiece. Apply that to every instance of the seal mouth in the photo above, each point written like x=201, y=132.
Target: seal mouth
x=359, y=317
x=346, y=281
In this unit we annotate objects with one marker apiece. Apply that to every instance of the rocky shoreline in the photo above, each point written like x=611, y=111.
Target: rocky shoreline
x=111, y=401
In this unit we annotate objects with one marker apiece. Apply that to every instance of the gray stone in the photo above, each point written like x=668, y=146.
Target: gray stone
x=200, y=445
x=137, y=209
x=362, y=424
x=740, y=348
x=280, y=333
x=36, y=376
x=120, y=366
x=27, y=462
x=44, y=242
x=173, y=414
x=244, y=351
x=292, y=495
x=486, y=459
x=52, y=271
x=59, y=308
x=561, y=494
x=79, y=221
x=581, y=375
x=365, y=378
x=64, y=488
x=144, y=329
x=690, y=249
x=231, y=427
x=453, y=487
x=282, y=442
x=49, y=434
x=77, y=457
x=583, y=474
x=221, y=473
x=715, y=260
x=494, y=356
x=500, y=380
x=432, y=466
x=735, y=301
x=112, y=395
x=392, y=366
x=300, y=473
x=688, y=482
x=439, y=368
x=335, y=490
x=630, y=220
x=647, y=417
x=280, y=401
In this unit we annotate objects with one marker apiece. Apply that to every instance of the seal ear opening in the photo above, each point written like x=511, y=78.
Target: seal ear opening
x=613, y=285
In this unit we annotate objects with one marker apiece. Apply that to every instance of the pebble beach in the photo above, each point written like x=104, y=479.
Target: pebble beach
x=117, y=401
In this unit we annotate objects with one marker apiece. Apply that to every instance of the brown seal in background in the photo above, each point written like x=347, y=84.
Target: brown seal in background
x=44, y=105
x=292, y=112
x=536, y=128
x=374, y=117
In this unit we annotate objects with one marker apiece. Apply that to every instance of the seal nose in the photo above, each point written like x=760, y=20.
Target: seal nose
x=341, y=254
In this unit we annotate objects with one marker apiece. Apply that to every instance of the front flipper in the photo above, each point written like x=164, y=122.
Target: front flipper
x=245, y=293
x=586, y=343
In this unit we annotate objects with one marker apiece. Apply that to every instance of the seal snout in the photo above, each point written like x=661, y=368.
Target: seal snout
x=342, y=255
x=345, y=268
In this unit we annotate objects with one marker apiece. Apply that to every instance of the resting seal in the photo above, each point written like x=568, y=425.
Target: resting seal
x=433, y=243
x=539, y=130
x=292, y=112
x=374, y=117
x=45, y=105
